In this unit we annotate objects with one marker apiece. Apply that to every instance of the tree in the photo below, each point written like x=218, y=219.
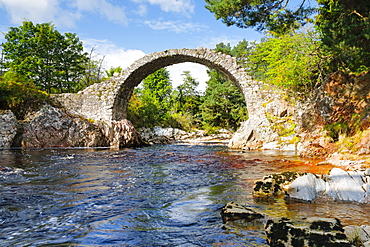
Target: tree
x=188, y=98
x=279, y=16
x=344, y=26
x=223, y=104
x=151, y=103
x=290, y=61
x=53, y=61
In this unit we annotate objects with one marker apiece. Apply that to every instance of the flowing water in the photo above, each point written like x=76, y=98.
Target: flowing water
x=167, y=195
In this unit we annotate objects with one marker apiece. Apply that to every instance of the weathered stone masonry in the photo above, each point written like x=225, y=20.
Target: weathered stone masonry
x=107, y=101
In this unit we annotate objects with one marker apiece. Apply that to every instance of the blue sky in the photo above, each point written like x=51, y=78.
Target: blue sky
x=125, y=30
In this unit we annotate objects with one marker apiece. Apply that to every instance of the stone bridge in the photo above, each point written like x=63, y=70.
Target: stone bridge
x=107, y=101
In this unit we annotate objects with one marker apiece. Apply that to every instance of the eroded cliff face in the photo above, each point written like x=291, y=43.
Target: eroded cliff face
x=338, y=119
x=335, y=120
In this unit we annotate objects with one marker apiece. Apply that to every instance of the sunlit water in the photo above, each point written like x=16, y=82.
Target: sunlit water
x=167, y=195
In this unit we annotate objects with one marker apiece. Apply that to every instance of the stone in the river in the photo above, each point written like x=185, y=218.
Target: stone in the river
x=338, y=185
x=233, y=211
x=271, y=185
x=306, y=232
x=305, y=187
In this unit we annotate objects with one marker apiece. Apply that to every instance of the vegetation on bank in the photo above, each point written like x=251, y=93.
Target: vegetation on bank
x=302, y=45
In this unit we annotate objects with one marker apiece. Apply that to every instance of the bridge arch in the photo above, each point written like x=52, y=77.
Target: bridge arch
x=107, y=101
x=140, y=69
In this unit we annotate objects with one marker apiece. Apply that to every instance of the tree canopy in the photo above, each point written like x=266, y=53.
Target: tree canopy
x=55, y=62
x=279, y=16
x=344, y=26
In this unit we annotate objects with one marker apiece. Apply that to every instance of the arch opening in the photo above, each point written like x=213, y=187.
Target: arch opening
x=149, y=64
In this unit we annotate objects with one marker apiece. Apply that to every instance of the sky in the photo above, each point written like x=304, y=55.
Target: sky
x=125, y=30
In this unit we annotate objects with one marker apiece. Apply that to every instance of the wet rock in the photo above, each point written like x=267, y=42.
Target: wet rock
x=338, y=185
x=272, y=185
x=306, y=232
x=53, y=127
x=125, y=134
x=233, y=211
x=8, y=128
x=305, y=187
x=159, y=135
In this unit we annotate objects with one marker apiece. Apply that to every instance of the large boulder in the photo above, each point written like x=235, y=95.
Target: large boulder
x=125, y=135
x=253, y=133
x=8, y=128
x=338, y=185
x=306, y=232
x=54, y=127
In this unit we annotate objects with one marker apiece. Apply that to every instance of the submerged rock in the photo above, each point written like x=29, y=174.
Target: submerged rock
x=306, y=232
x=233, y=211
x=8, y=128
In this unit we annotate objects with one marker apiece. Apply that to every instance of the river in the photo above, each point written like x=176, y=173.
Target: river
x=165, y=195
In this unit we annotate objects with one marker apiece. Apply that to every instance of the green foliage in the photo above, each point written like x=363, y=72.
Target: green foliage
x=109, y=73
x=53, y=61
x=345, y=33
x=334, y=130
x=20, y=95
x=186, y=98
x=223, y=104
x=277, y=16
x=290, y=61
x=150, y=105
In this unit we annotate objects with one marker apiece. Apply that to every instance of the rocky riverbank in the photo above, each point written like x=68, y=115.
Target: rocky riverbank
x=53, y=126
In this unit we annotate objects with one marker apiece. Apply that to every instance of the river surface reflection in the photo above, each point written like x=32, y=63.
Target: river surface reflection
x=167, y=195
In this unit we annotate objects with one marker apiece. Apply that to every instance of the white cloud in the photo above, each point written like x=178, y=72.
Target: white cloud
x=142, y=10
x=175, y=26
x=61, y=15
x=112, y=12
x=197, y=71
x=35, y=10
x=184, y=7
x=113, y=55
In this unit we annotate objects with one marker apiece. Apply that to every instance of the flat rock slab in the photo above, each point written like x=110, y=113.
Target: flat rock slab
x=233, y=211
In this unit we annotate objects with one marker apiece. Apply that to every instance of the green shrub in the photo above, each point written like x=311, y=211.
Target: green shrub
x=20, y=95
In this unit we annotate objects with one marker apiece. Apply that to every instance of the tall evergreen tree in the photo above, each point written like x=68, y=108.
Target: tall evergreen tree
x=223, y=104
